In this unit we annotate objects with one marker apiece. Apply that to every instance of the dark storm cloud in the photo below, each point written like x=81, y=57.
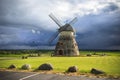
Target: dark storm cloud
x=111, y=7
x=25, y=24
x=103, y=32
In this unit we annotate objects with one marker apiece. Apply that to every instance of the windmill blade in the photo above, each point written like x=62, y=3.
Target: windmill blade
x=55, y=19
x=53, y=37
x=73, y=21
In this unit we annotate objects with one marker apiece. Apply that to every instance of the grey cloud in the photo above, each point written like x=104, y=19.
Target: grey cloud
x=101, y=32
x=19, y=17
x=111, y=7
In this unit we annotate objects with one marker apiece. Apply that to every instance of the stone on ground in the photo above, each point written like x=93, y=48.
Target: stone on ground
x=12, y=66
x=45, y=66
x=96, y=71
x=26, y=67
x=72, y=69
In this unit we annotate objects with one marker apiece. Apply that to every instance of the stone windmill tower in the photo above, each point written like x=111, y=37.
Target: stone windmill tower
x=66, y=45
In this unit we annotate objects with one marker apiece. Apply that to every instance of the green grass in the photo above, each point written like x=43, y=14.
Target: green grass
x=107, y=64
x=110, y=64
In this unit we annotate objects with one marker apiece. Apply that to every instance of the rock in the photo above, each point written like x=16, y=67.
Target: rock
x=12, y=66
x=26, y=67
x=72, y=69
x=95, y=71
x=103, y=54
x=24, y=57
x=89, y=54
x=94, y=53
x=45, y=66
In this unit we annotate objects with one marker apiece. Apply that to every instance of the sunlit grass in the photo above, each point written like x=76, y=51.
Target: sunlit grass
x=109, y=64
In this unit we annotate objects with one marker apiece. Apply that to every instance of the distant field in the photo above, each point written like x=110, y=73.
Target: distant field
x=110, y=63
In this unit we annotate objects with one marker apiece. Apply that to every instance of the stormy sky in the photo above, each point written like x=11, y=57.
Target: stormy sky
x=25, y=24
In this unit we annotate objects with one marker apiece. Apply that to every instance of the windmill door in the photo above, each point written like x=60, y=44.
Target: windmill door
x=60, y=52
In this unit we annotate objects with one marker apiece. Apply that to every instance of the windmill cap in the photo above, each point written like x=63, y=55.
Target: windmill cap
x=66, y=27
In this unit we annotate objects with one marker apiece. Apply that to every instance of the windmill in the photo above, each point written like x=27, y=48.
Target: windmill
x=66, y=45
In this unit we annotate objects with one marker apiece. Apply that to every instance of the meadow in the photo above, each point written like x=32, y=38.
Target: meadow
x=110, y=62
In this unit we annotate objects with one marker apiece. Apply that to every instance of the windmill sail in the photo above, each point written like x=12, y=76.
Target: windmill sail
x=53, y=37
x=55, y=19
x=73, y=21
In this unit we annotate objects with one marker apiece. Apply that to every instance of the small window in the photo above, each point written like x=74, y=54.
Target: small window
x=61, y=43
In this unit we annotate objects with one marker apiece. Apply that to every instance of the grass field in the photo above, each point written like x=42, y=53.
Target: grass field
x=109, y=63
